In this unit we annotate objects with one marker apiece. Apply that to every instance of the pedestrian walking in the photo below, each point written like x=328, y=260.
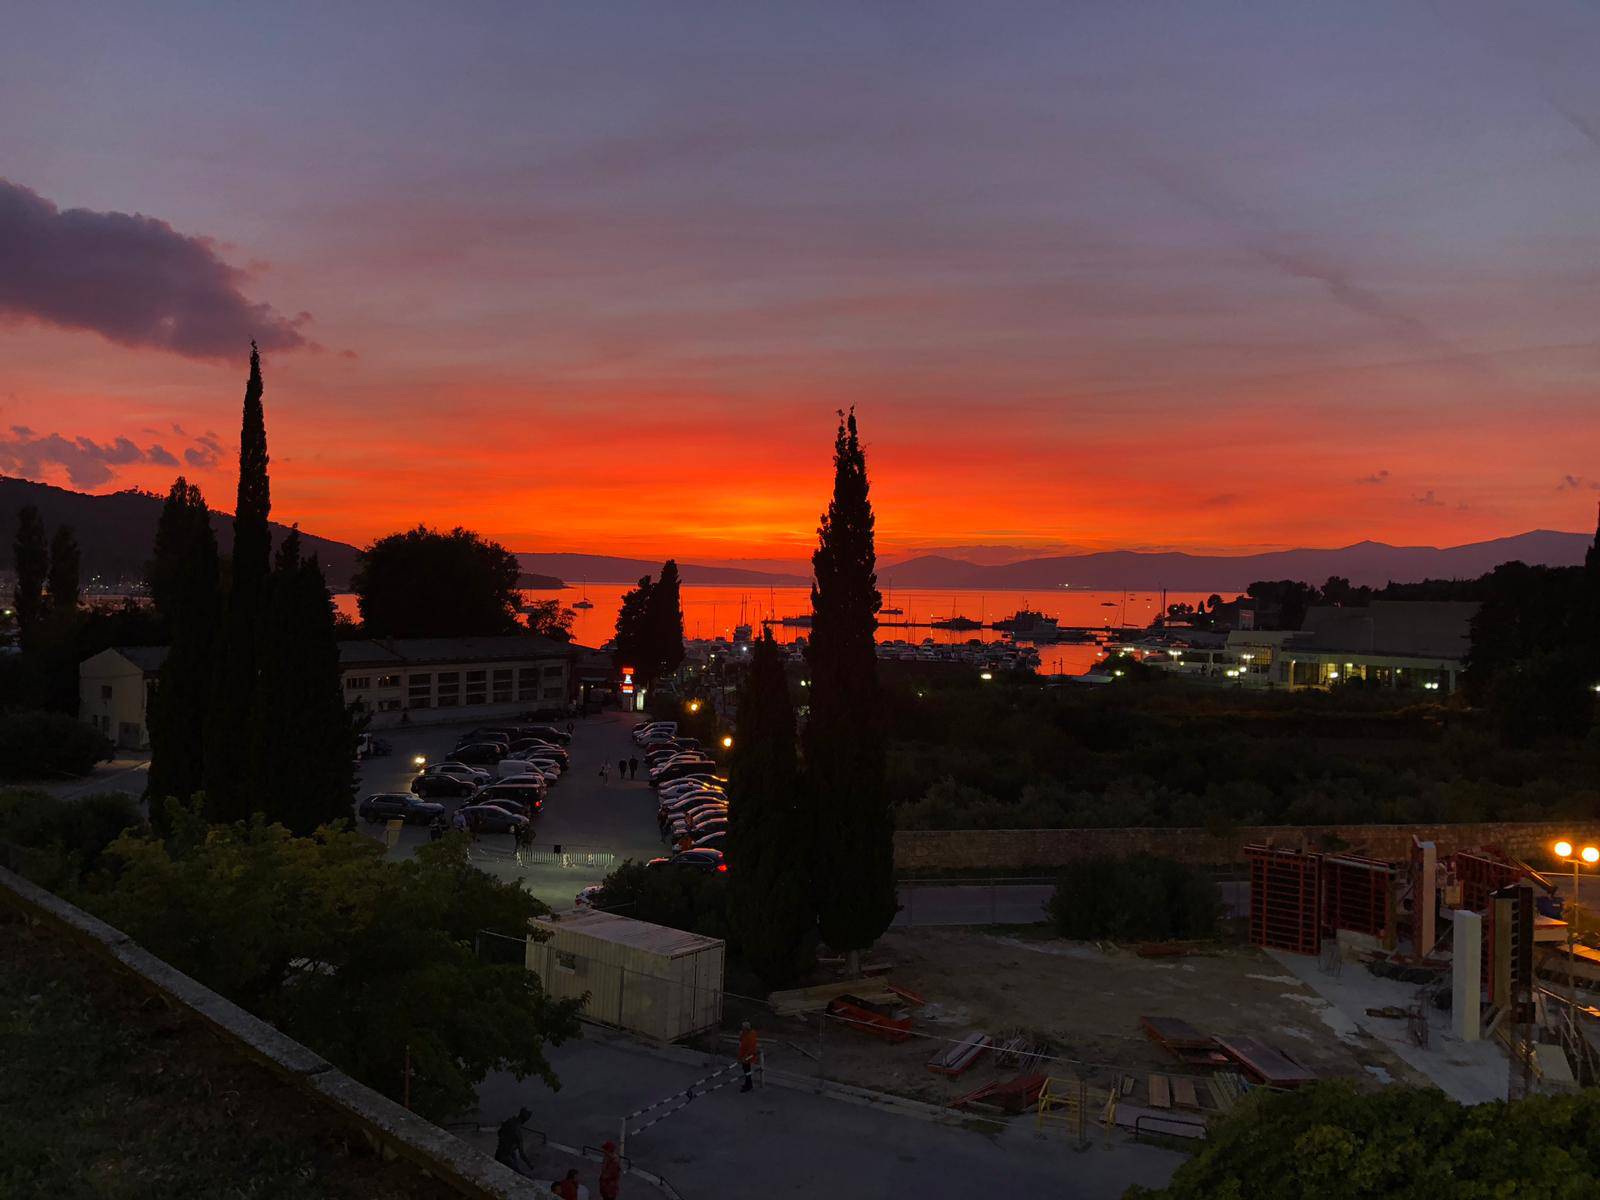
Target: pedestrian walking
x=685, y=842
x=633, y=768
x=610, y=1172
x=567, y=1188
x=749, y=1052
x=436, y=828
x=570, y=728
x=605, y=773
x=622, y=768
x=459, y=821
x=508, y=1145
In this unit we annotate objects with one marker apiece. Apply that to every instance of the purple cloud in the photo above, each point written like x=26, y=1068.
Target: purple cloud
x=205, y=453
x=87, y=463
x=132, y=279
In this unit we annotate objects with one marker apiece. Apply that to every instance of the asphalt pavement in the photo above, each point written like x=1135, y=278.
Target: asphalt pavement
x=596, y=823
x=783, y=1141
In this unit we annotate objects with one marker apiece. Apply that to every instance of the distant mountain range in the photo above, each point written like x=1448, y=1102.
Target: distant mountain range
x=1370, y=563
x=603, y=568
x=116, y=533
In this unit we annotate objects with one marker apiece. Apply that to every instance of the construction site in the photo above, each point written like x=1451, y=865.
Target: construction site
x=1455, y=971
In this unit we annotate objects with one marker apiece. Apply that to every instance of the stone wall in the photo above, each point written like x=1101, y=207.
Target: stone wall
x=925, y=851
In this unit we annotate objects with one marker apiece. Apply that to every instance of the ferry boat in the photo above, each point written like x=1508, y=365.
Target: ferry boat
x=1028, y=625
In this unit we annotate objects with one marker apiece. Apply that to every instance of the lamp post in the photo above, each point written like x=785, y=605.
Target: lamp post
x=1565, y=852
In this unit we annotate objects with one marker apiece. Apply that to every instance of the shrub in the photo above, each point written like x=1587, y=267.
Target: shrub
x=64, y=840
x=677, y=897
x=1134, y=898
x=35, y=744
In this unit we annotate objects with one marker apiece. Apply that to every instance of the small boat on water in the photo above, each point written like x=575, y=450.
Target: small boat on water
x=585, y=602
x=1028, y=625
x=956, y=623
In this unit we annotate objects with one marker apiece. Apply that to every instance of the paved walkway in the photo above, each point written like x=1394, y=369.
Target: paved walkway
x=779, y=1141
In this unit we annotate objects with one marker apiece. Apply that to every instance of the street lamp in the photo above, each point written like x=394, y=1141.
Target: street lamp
x=694, y=706
x=420, y=760
x=727, y=741
x=1591, y=855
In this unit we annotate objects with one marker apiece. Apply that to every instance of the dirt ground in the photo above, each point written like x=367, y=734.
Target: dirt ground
x=1087, y=1002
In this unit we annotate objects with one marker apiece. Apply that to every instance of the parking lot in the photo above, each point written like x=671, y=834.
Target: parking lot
x=596, y=823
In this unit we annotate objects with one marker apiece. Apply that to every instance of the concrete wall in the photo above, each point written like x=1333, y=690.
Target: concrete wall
x=1011, y=849
x=460, y=1169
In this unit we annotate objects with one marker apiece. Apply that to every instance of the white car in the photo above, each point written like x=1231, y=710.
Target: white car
x=655, y=729
x=689, y=785
x=542, y=761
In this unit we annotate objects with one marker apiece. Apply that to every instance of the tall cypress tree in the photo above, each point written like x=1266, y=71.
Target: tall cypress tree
x=31, y=559
x=232, y=793
x=303, y=737
x=64, y=570
x=633, y=627
x=845, y=737
x=665, y=622
x=184, y=585
x=770, y=909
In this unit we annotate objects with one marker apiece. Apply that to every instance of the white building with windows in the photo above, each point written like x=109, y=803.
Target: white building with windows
x=419, y=680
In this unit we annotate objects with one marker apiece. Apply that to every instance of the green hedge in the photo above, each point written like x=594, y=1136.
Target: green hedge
x=35, y=744
x=1128, y=899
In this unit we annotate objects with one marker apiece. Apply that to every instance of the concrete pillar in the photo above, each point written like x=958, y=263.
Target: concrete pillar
x=1427, y=900
x=1466, y=973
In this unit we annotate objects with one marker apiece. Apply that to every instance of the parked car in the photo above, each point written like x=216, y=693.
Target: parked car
x=487, y=739
x=548, y=749
x=527, y=792
x=522, y=766
x=442, y=785
x=586, y=896
x=515, y=807
x=680, y=769
x=642, y=733
x=701, y=860
x=460, y=771
x=491, y=818
x=549, y=733
x=478, y=754
x=385, y=806
x=712, y=841
x=680, y=789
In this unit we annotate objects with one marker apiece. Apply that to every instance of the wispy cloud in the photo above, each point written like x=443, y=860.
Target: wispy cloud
x=1377, y=477
x=132, y=279
x=1577, y=483
x=86, y=462
x=1428, y=500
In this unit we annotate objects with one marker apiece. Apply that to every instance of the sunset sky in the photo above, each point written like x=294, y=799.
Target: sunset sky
x=596, y=276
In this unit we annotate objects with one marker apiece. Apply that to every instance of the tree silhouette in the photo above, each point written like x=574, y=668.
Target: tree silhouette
x=64, y=571
x=31, y=559
x=844, y=739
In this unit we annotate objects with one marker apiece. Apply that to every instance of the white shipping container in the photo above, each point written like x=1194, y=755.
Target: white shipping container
x=661, y=982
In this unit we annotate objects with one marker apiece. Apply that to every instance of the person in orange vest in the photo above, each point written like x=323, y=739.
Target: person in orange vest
x=567, y=1188
x=610, y=1172
x=749, y=1052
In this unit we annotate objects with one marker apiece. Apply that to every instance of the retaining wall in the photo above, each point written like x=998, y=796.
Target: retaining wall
x=460, y=1169
x=1022, y=849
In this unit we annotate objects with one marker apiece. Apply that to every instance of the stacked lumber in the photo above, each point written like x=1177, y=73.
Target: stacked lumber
x=959, y=1057
x=1265, y=1064
x=1183, y=1041
x=1010, y=1096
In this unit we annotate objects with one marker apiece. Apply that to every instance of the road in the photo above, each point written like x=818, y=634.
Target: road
x=780, y=1141
x=597, y=824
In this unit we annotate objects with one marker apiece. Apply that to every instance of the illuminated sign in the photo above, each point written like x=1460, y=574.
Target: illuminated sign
x=627, y=681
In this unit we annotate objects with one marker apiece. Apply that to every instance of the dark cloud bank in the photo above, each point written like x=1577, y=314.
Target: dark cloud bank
x=132, y=279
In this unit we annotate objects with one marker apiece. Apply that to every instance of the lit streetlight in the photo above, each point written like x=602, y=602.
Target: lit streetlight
x=727, y=741
x=1564, y=850
x=694, y=706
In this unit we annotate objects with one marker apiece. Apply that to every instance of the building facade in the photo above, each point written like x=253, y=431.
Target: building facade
x=1402, y=644
x=414, y=680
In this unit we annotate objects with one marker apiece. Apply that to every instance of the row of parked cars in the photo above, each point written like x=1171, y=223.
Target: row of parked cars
x=693, y=808
x=501, y=774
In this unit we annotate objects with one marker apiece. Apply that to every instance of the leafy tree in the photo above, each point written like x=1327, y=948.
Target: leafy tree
x=1331, y=1140
x=304, y=751
x=35, y=744
x=184, y=584
x=845, y=736
x=548, y=618
x=64, y=565
x=695, y=901
x=354, y=956
x=664, y=620
x=63, y=840
x=770, y=907
x=423, y=583
x=235, y=683
x=633, y=626
x=31, y=559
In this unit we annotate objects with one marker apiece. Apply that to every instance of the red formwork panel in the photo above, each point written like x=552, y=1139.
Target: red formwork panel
x=1356, y=894
x=1284, y=899
x=1479, y=876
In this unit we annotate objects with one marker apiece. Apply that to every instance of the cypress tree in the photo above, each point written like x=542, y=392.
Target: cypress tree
x=303, y=737
x=64, y=571
x=31, y=559
x=845, y=739
x=184, y=585
x=633, y=627
x=232, y=794
x=665, y=622
x=770, y=909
